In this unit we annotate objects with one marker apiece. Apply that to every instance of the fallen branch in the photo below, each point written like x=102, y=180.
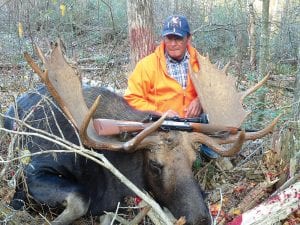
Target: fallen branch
x=276, y=208
x=94, y=156
x=10, y=66
x=154, y=217
x=90, y=69
x=141, y=215
x=286, y=184
x=253, y=197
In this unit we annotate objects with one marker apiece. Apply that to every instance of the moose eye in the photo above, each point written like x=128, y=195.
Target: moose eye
x=155, y=167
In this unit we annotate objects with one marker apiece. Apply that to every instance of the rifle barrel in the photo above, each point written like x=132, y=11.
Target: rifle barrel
x=107, y=127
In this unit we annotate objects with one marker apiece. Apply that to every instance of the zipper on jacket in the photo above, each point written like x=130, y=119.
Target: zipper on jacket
x=183, y=100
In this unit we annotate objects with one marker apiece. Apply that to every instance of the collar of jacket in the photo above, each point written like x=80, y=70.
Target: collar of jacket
x=160, y=53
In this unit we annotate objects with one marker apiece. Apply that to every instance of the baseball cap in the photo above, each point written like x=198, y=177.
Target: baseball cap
x=177, y=25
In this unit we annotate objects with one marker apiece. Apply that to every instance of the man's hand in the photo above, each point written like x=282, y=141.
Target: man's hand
x=194, y=109
x=170, y=113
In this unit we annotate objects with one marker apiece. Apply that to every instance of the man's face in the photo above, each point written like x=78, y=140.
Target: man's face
x=176, y=45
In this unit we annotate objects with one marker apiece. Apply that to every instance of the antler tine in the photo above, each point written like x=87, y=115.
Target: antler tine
x=255, y=87
x=86, y=121
x=34, y=66
x=237, y=139
x=207, y=56
x=142, y=135
x=250, y=135
x=40, y=54
x=226, y=67
x=215, y=146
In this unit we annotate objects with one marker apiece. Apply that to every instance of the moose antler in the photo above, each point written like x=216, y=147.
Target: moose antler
x=222, y=103
x=218, y=95
x=65, y=86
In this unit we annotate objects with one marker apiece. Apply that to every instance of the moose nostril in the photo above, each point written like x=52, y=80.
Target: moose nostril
x=205, y=221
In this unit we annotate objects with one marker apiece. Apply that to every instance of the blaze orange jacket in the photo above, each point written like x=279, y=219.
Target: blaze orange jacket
x=150, y=88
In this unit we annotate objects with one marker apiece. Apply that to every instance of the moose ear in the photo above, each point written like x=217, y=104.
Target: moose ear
x=155, y=167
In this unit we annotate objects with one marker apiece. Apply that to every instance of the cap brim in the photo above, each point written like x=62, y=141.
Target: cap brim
x=168, y=32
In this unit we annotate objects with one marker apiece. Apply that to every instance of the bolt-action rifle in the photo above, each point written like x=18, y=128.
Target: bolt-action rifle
x=113, y=127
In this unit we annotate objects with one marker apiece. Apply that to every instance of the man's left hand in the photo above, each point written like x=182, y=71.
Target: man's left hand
x=194, y=109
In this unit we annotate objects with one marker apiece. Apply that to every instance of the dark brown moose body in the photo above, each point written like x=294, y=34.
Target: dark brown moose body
x=84, y=187
x=157, y=161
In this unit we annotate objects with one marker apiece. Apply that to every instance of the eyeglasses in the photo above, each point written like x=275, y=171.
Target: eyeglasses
x=178, y=40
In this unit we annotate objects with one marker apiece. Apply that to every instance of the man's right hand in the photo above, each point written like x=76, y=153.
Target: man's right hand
x=170, y=113
x=194, y=109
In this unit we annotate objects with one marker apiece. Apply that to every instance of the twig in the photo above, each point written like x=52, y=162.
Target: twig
x=249, y=156
x=4, y=3
x=140, y=216
x=46, y=220
x=39, y=133
x=115, y=214
x=9, y=156
x=287, y=184
x=215, y=220
x=221, y=169
x=118, y=218
x=111, y=14
x=154, y=217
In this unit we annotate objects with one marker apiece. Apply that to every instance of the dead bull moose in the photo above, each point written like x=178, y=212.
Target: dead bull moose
x=159, y=162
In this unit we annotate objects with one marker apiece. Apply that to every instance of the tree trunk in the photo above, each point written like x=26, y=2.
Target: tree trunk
x=264, y=53
x=296, y=102
x=191, y=14
x=264, y=40
x=294, y=139
x=252, y=36
x=290, y=137
x=140, y=29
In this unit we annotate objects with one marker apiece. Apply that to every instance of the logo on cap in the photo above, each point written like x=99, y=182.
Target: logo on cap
x=175, y=22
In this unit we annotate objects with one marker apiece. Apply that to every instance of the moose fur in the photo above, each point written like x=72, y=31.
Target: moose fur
x=81, y=187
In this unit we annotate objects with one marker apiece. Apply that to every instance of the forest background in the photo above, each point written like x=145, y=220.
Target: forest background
x=256, y=36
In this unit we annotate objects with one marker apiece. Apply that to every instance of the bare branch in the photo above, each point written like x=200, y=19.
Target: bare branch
x=93, y=156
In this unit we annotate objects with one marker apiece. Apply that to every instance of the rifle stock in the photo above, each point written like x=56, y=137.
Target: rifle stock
x=106, y=127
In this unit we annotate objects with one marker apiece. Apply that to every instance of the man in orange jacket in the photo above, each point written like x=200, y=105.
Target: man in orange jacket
x=160, y=82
